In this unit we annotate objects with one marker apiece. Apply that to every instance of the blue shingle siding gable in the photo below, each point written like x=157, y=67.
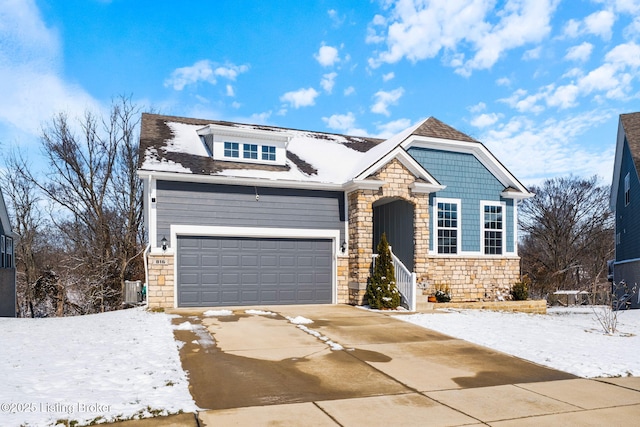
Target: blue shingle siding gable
x=467, y=179
x=628, y=217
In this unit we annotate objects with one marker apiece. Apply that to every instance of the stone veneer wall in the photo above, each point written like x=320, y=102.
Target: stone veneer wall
x=472, y=278
x=160, y=293
x=343, y=280
x=397, y=184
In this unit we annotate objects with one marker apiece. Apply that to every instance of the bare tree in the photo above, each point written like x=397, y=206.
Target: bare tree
x=568, y=234
x=97, y=207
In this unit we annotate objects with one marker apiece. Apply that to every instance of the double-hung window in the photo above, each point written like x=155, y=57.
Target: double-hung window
x=231, y=149
x=269, y=153
x=492, y=228
x=9, y=253
x=2, y=249
x=447, y=226
x=249, y=151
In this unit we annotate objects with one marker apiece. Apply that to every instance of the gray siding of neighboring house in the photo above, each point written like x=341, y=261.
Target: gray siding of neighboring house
x=7, y=292
x=628, y=217
x=236, y=206
x=630, y=273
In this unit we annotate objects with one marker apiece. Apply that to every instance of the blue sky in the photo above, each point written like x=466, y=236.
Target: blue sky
x=540, y=82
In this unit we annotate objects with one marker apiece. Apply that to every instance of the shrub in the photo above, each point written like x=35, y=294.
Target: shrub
x=443, y=292
x=520, y=291
x=382, y=292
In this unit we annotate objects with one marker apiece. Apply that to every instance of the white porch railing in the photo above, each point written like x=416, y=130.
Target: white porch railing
x=405, y=282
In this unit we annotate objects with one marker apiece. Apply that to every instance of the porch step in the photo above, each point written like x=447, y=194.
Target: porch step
x=422, y=303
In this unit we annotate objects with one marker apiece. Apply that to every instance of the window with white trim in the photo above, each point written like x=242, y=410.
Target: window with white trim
x=231, y=149
x=9, y=253
x=447, y=226
x=492, y=229
x=627, y=189
x=249, y=151
x=269, y=153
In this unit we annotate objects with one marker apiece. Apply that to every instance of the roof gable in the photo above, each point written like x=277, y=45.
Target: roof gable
x=629, y=131
x=434, y=128
x=4, y=217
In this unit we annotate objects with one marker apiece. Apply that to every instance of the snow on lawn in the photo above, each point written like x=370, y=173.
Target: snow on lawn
x=118, y=365
x=568, y=339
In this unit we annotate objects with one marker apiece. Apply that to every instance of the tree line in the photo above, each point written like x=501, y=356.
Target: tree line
x=79, y=221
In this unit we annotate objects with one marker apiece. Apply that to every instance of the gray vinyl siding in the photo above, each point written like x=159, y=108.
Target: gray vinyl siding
x=630, y=273
x=628, y=217
x=7, y=292
x=236, y=206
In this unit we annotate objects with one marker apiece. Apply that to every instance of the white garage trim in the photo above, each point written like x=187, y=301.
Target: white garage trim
x=256, y=232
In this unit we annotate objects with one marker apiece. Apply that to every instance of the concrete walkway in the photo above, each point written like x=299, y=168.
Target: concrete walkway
x=261, y=369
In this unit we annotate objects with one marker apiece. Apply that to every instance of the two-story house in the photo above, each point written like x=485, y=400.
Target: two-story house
x=242, y=214
x=625, y=202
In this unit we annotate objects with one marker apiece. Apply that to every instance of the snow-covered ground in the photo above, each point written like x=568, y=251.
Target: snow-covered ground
x=125, y=364
x=568, y=339
x=118, y=365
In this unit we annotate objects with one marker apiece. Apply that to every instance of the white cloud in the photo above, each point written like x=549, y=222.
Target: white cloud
x=205, y=71
x=230, y=91
x=503, y=81
x=300, y=97
x=388, y=76
x=387, y=130
x=327, y=56
x=349, y=91
x=328, y=81
x=532, y=54
x=344, y=123
x=384, y=99
x=418, y=30
x=535, y=150
x=600, y=23
x=484, y=120
x=480, y=106
x=31, y=80
x=581, y=52
x=612, y=79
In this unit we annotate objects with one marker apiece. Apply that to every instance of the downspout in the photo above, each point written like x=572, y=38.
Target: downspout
x=146, y=272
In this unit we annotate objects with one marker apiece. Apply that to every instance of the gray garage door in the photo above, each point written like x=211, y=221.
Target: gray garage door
x=219, y=271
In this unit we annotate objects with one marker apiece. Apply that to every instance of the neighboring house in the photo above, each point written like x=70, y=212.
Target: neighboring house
x=625, y=202
x=7, y=264
x=250, y=214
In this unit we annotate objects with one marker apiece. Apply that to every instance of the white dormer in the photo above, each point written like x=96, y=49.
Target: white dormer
x=246, y=145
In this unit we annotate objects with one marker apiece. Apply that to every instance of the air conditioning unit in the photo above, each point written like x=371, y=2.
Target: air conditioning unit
x=133, y=292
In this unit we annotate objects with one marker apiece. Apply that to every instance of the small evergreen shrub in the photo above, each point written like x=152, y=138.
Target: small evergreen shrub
x=520, y=291
x=382, y=292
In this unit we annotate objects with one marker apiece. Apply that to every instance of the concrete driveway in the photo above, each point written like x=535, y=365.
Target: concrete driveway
x=354, y=367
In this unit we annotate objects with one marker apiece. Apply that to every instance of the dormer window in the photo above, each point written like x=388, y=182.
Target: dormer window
x=269, y=153
x=250, y=151
x=246, y=144
x=231, y=149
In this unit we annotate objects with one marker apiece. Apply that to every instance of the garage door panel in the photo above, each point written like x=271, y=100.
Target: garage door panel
x=249, y=271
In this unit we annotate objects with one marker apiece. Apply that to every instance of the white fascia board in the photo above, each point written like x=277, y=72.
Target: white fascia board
x=424, y=187
x=258, y=134
x=405, y=159
x=477, y=149
x=617, y=166
x=363, y=184
x=516, y=195
x=231, y=180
